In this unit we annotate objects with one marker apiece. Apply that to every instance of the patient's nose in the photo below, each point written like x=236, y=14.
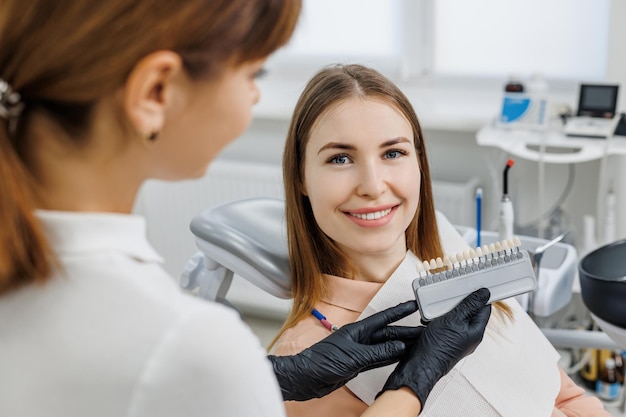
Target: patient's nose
x=372, y=180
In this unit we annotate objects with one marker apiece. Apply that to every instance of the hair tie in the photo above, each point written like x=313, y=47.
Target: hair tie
x=11, y=104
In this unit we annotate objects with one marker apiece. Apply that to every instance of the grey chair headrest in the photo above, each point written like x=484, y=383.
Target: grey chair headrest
x=253, y=231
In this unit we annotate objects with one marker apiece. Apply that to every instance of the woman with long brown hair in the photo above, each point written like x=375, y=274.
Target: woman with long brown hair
x=360, y=216
x=96, y=98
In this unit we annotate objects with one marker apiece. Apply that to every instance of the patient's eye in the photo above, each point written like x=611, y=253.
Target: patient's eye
x=394, y=153
x=339, y=159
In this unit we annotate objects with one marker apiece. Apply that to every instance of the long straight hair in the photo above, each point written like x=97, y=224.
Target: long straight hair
x=62, y=57
x=311, y=252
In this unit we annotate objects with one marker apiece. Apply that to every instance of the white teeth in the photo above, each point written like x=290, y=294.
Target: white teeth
x=372, y=216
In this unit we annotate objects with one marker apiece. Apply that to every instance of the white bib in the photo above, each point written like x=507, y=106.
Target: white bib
x=512, y=373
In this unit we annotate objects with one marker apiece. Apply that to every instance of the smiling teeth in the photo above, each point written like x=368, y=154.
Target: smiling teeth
x=372, y=216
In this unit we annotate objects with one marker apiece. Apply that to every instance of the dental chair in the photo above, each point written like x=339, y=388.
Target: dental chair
x=248, y=238
x=243, y=237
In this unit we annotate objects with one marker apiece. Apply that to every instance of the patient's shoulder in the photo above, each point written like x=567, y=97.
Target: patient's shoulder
x=299, y=337
x=288, y=347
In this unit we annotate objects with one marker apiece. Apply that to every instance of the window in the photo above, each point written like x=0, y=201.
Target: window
x=344, y=31
x=348, y=28
x=566, y=39
x=561, y=39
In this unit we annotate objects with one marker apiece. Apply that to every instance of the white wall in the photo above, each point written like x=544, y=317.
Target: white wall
x=617, y=74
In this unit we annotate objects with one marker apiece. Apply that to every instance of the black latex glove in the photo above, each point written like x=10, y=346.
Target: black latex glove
x=445, y=341
x=336, y=359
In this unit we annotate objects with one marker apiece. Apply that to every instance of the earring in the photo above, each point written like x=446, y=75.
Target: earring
x=153, y=136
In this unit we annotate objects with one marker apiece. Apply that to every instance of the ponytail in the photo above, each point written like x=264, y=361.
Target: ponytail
x=25, y=256
x=63, y=57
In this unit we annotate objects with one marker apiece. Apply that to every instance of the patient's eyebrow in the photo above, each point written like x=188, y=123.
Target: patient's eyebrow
x=336, y=145
x=345, y=146
x=391, y=142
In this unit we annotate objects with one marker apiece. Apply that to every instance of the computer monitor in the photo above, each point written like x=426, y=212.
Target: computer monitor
x=597, y=100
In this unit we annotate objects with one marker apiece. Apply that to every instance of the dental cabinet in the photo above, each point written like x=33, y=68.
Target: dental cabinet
x=600, y=180
x=558, y=148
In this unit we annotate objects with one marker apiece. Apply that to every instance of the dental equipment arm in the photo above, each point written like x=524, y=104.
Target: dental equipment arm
x=336, y=359
x=445, y=341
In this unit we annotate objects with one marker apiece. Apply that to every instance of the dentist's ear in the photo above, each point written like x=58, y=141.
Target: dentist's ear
x=148, y=89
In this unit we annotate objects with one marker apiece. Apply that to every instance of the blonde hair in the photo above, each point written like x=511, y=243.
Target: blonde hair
x=64, y=56
x=311, y=252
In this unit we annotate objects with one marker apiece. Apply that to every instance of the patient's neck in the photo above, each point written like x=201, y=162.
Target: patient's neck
x=377, y=267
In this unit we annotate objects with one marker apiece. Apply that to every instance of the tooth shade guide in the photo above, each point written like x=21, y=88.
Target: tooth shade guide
x=472, y=259
x=426, y=265
x=502, y=267
x=433, y=264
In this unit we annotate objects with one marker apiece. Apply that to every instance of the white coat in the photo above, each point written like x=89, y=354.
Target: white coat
x=111, y=334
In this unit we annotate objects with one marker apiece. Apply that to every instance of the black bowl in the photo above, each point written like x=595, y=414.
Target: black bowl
x=603, y=282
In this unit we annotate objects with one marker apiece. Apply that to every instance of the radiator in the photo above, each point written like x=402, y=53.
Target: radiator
x=169, y=208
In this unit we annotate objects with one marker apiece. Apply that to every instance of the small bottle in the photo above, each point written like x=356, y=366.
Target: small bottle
x=537, y=89
x=619, y=366
x=589, y=234
x=514, y=85
x=537, y=84
x=590, y=372
x=610, y=222
x=607, y=387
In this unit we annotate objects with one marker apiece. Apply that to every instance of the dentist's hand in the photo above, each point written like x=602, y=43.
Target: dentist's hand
x=444, y=342
x=336, y=359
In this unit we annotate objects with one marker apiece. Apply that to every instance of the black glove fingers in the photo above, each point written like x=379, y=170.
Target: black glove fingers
x=385, y=354
x=407, y=334
x=481, y=317
x=479, y=321
x=445, y=341
x=336, y=359
x=472, y=304
x=382, y=319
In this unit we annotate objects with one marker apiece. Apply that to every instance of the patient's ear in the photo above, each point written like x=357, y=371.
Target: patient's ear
x=149, y=89
x=303, y=190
